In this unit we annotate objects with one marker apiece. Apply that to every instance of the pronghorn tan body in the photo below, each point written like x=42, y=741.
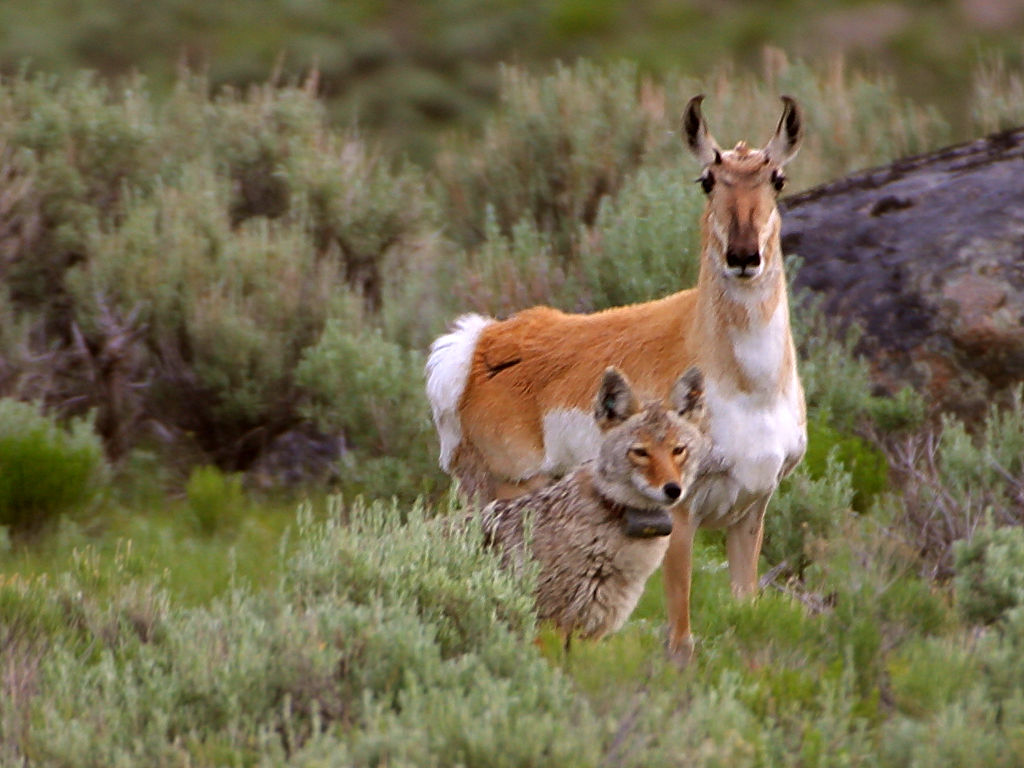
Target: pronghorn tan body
x=510, y=397
x=600, y=532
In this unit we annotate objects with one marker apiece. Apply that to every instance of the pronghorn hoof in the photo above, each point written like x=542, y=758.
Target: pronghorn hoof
x=683, y=652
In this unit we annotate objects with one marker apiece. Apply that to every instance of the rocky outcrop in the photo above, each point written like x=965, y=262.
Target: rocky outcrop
x=927, y=255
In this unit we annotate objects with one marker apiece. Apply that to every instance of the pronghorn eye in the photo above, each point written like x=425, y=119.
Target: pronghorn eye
x=679, y=450
x=707, y=182
x=639, y=453
x=778, y=180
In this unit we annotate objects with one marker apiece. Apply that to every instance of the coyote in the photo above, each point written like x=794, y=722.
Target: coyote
x=600, y=532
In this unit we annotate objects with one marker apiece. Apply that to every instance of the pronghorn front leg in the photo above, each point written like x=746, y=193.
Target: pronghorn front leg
x=677, y=570
x=743, y=548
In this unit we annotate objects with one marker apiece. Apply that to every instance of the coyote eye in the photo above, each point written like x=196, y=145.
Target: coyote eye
x=679, y=450
x=778, y=180
x=639, y=453
x=707, y=182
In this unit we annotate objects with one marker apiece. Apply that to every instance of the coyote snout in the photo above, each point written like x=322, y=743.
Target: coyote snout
x=602, y=530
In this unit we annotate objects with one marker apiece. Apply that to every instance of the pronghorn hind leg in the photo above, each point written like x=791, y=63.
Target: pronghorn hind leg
x=479, y=483
x=476, y=482
x=510, y=489
x=743, y=548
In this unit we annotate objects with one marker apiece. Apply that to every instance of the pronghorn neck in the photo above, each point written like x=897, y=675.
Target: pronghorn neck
x=742, y=328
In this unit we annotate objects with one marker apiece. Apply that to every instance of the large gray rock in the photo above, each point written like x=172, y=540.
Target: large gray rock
x=927, y=255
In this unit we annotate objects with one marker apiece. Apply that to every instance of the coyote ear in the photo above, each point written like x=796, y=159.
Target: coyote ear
x=615, y=400
x=688, y=396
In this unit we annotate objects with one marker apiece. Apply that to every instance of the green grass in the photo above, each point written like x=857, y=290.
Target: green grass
x=162, y=543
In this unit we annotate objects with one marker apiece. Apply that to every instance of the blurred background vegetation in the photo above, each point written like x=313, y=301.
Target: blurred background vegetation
x=407, y=69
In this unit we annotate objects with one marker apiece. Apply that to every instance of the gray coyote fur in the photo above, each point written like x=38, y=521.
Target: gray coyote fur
x=602, y=530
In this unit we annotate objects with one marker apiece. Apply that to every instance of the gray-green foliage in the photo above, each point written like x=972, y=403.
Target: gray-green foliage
x=556, y=146
x=956, y=479
x=805, y=511
x=171, y=261
x=997, y=102
x=69, y=151
x=391, y=637
x=228, y=309
x=508, y=272
x=645, y=243
x=45, y=469
x=365, y=385
x=986, y=470
x=836, y=380
x=386, y=641
x=989, y=574
x=370, y=389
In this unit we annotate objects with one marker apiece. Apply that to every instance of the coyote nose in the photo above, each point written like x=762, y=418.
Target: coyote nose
x=743, y=260
x=672, y=490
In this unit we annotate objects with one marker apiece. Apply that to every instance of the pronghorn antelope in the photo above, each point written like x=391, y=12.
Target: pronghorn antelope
x=509, y=398
x=601, y=531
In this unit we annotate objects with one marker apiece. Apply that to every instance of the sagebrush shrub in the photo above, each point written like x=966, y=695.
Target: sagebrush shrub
x=389, y=638
x=556, y=147
x=865, y=464
x=360, y=211
x=809, y=506
x=989, y=575
x=168, y=262
x=227, y=311
x=997, y=96
x=370, y=390
x=968, y=733
x=930, y=674
x=508, y=272
x=645, y=242
x=78, y=146
x=951, y=479
x=45, y=469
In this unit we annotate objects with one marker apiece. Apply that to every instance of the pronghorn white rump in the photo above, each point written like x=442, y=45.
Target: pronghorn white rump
x=447, y=372
x=518, y=420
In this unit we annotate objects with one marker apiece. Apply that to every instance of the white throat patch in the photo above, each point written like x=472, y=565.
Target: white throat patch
x=760, y=350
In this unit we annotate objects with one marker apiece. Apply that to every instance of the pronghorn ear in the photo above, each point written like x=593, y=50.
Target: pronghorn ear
x=615, y=400
x=695, y=133
x=790, y=132
x=688, y=397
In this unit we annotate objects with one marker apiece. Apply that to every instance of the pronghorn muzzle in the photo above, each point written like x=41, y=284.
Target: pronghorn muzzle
x=743, y=262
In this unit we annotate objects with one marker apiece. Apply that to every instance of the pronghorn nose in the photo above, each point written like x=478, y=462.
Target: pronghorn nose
x=672, y=490
x=742, y=259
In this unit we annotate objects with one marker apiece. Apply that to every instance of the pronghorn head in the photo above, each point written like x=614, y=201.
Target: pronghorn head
x=741, y=222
